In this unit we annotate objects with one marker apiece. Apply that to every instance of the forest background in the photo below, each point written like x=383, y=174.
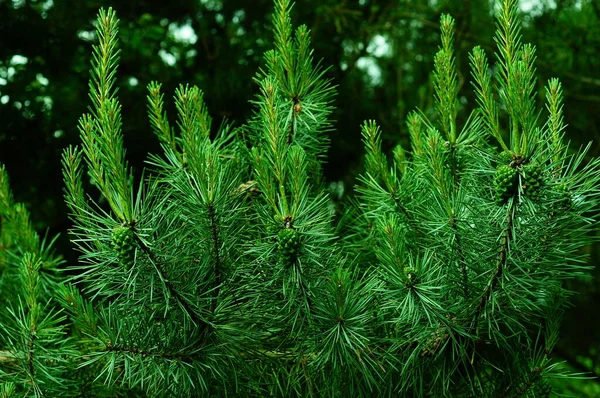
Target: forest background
x=380, y=54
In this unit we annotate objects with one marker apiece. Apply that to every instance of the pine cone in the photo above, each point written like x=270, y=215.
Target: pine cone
x=564, y=199
x=411, y=275
x=274, y=227
x=505, y=183
x=288, y=245
x=123, y=242
x=505, y=157
x=542, y=389
x=533, y=180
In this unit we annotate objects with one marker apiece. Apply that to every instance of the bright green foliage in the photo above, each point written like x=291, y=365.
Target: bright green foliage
x=444, y=278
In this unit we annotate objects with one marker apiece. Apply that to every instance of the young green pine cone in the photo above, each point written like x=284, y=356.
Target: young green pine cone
x=505, y=183
x=411, y=275
x=564, y=199
x=506, y=157
x=273, y=228
x=533, y=180
x=123, y=242
x=288, y=245
x=542, y=389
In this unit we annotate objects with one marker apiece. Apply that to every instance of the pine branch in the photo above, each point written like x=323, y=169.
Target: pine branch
x=101, y=130
x=6, y=200
x=158, y=117
x=445, y=80
x=485, y=96
x=173, y=292
x=216, y=255
x=555, y=125
x=461, y=255
x=183, y=356
x=501, y=263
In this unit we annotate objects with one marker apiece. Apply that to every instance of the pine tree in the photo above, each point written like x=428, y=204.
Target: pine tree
x=35, y=349
x=220, y=271
x=470, y=244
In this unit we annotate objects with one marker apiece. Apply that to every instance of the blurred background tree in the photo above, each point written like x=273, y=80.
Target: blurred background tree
x=380, y=54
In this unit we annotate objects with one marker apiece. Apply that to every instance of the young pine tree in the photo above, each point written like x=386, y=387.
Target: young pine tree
x=219, y=272
x=470, y=236
x=35, y=349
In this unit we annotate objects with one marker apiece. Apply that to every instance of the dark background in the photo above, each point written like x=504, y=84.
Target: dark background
x=380, y=55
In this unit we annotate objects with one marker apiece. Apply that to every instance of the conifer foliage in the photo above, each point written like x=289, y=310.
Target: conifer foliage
x=221, y=272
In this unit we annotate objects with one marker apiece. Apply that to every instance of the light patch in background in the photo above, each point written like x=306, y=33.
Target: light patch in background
x=46, y=102
x=190, y=54
x=18, y=60
x=42, y=79
x=167, y=57
x=351, y=47
x=48, y=4
x=86, y=35
x=18, y=3
x=10, y=72
x=183, y=33
x=45, y=7
x=212, y=5
x=4, y=99
x=535, y=8
x=238, y=16
x=58, y=133
x=371, y=68
x=379, y=47
x=3, y=81
x=133, y=81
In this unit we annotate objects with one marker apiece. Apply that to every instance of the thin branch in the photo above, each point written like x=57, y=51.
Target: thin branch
x=172, y=290
x=131, y=350
x=461, y=257
x=30, y=352
x=534, y=376
x=216, y=246
x=500, y=264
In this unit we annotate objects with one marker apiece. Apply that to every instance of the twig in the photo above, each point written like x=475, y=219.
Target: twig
x=500, y=265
